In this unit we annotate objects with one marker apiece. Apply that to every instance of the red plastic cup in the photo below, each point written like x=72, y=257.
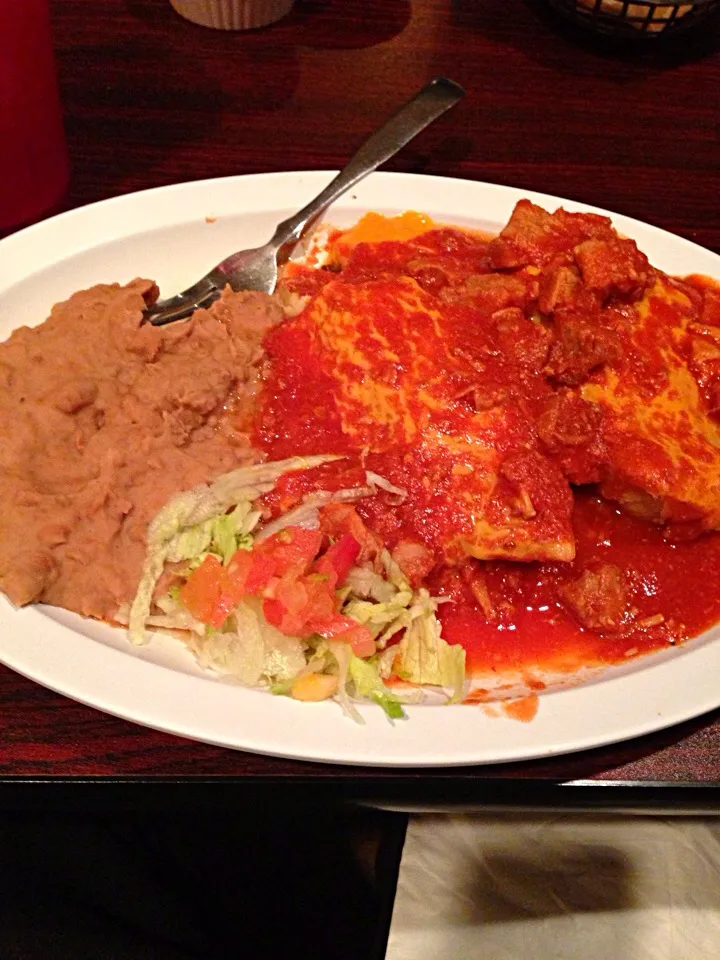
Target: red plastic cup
x=33, y=154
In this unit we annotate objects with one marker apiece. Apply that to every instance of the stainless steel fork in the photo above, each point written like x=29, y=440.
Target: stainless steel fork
x=257, y=269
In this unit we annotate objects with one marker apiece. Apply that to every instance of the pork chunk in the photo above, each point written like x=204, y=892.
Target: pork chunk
x=558, y=288
x=569, y=429
x=613, y=267
x=525, y=342
x=598, y=598
x=580, y=348
x=491, y=291
x=533, y=236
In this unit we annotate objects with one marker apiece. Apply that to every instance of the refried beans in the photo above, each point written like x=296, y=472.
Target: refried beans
x=103, y=419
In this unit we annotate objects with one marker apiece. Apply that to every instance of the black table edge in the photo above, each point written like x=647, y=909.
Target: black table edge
x=414, y=793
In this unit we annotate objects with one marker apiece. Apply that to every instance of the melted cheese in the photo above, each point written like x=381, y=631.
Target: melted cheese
x=659, y=437
x=394, y=356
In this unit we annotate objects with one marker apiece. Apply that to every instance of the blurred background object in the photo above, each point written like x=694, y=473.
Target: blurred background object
x=233, y=14
x=33, y=157
x=643, y=18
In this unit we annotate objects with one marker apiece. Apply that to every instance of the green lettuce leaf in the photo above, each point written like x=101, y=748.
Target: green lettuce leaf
x=425, y=657
x=191, y=543
x=367, y=683
x=250, y=649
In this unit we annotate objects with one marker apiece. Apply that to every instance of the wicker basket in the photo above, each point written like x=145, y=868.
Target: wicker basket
x=637, y=18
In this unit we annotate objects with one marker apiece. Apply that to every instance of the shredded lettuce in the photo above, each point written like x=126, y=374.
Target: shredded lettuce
x=343, y=656
x=238, y=651
x=386, y=662
x=383, y=620
x=233, y=531
x=250, y=649
x=284, y=656
x=424, y=657
x=193, y=542
x=398, y=494
x=393, y=572
x=387, y=606
x=364, y=582
x=140, y=609
x=221, y=536
x=382, y=605
x=368, y=684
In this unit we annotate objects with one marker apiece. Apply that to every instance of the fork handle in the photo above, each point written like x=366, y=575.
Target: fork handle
x=420, y=111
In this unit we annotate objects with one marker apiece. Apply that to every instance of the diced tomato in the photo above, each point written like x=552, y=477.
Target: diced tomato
x=276, y=614
x=288, y=606
x=292, y=548
x=322, y=601
x=248, y=572
x=203, y=595
x=348, y=631
x=237, y=572
x=360, y=640
x=336, y=625
x=298, y=603
x=291, y=593
x=338, y=559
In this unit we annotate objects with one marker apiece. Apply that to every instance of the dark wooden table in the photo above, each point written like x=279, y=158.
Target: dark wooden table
x=151, y=99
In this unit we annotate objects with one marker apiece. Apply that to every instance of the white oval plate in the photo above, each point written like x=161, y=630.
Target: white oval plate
x=164, y=234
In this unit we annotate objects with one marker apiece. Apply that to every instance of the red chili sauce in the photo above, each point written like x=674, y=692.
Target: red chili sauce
x=672, y=588
x=533, y=630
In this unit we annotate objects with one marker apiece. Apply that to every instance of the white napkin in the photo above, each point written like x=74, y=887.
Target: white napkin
x=562, y=887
